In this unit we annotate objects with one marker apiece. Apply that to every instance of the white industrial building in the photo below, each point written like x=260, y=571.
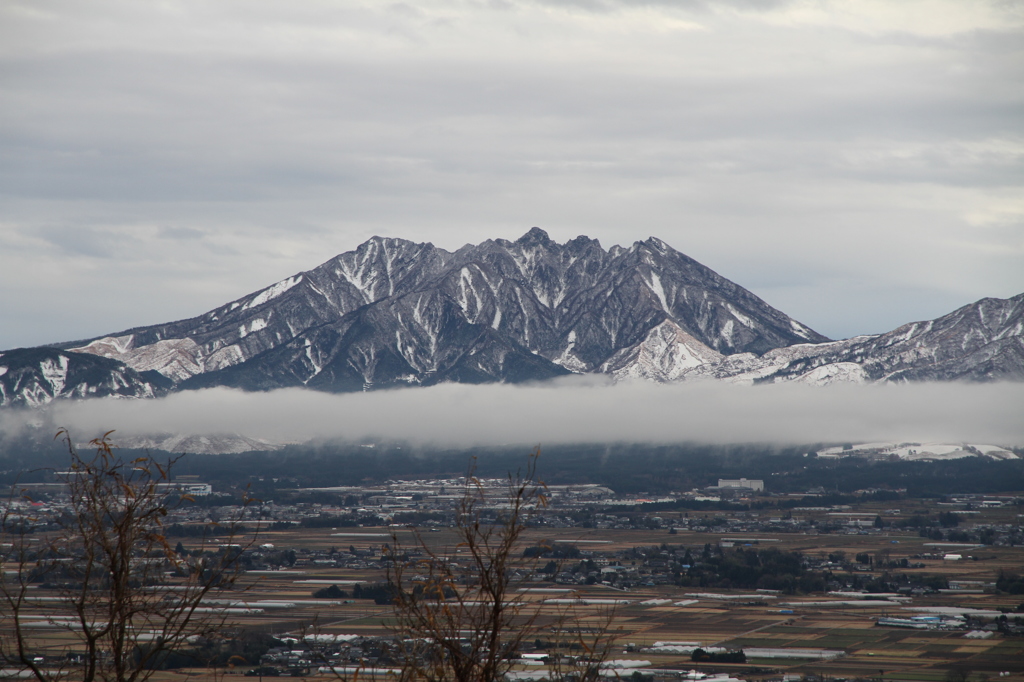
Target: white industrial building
x=740, y=484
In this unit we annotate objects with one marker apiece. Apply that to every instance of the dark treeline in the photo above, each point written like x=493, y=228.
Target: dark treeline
x=625, y=468
x=380, y=593
x=701, y=656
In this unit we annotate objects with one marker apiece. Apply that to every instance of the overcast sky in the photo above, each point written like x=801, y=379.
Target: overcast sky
x=857, y=165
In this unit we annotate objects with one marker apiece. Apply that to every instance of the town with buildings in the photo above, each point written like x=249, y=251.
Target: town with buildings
x=728, y=568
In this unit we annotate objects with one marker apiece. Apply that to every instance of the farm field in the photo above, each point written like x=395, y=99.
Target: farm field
x=655, y=626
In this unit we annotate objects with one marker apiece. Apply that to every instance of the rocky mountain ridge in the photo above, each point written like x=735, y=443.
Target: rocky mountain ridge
x=397, y=313
x=983, y=341
x=36, y=376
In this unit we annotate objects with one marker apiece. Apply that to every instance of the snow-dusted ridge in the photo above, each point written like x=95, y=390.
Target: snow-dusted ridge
x=198, y=444
x=176, y=359
x=31, y=377
x=918, y=451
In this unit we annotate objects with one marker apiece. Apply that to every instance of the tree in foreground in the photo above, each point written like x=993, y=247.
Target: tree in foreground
x=459, y=615
x=121, y=598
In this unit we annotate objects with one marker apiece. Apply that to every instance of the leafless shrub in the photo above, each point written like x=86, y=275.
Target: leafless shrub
x=122, y=600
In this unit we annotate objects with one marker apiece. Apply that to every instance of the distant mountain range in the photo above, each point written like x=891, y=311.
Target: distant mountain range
x=397, y=313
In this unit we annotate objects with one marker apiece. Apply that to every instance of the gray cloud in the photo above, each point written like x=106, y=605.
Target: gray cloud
x=872, y=157
x=573, y=411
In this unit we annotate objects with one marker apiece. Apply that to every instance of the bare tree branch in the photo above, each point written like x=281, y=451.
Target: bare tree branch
x=122, y=595
x=458, y=616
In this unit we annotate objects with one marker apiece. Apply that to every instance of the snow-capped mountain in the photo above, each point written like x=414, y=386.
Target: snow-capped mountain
x=397, y=313
x=394, y=312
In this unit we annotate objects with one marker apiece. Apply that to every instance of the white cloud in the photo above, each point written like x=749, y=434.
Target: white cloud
x=572, y=411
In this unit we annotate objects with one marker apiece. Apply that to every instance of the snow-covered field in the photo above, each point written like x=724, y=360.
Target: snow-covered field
x=919, y=451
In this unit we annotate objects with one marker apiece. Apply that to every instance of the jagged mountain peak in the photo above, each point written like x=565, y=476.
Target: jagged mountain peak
x=535, y=236
x=397, y=312
x=656, y=244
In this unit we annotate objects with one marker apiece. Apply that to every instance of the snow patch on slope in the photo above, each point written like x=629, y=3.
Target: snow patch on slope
x=748, y=368
x=837, y=372
x=744, y=320
x=176, y=359
x=272, y=292
x=800, y=329
x=225, y=357
x=109, y=346
x=568, y=357
x=252, y=326
x=667, y=353
x=658, y=290
x=55, y=372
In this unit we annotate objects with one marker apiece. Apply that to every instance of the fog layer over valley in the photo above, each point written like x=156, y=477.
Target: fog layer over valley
x=572, y=410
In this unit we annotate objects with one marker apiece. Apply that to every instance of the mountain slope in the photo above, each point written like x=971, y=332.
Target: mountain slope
x=983, y=341
x=34, y=376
